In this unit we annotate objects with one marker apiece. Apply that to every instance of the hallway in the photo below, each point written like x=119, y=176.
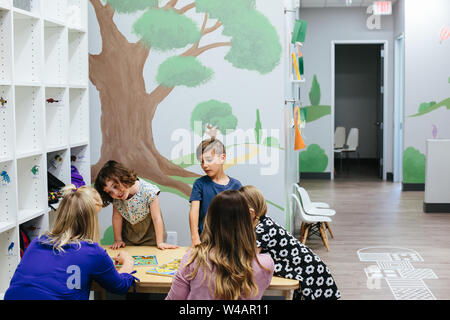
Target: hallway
x=376, y=213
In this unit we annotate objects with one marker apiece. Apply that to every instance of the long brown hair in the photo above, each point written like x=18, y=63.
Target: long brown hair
x=76, y=218
x=116, y=172
x=255, y=200
x=229, y=245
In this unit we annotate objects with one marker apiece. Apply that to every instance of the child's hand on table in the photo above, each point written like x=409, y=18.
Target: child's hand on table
x=163, y=246
x=117, y=245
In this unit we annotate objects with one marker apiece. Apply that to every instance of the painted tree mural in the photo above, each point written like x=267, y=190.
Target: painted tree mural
x=128, y=110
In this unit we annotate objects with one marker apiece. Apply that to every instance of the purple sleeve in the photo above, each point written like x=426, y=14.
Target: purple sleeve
x=106, y=275
x=266, y=260
x=180, y=288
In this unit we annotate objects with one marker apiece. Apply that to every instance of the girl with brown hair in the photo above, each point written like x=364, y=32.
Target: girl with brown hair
x=293, y=260
x=137, y=218
x=225, y=265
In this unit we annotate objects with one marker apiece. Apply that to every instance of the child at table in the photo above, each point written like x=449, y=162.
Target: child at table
x=225, y=265
x=62, y=264
x=212, y=155
x=293, y=260
x=137, y=218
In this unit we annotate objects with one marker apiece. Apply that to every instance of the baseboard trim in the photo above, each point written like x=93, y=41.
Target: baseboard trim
x=436, y=207
x=390, y=176
x=315, y=175
x=413, y=187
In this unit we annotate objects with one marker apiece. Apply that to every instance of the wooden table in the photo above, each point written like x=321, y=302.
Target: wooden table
x=160, y=284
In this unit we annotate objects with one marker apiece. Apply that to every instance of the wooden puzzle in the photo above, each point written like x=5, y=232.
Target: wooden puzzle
x=167, y=269
x=140, y=261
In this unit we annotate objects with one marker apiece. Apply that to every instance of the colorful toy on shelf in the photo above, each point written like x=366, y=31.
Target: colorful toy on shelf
x=35, y=170
x=299, y=33
x=56, y=162
x=5, y=177
x=51, y=100
x=10, y=249
x=298, y=143
x=3, y=101
x=294, y=61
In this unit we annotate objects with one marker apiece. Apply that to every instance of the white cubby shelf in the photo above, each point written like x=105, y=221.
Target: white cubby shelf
x=44, y=114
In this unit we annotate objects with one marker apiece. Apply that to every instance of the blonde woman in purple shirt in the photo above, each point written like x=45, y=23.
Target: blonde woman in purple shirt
x=225, y=265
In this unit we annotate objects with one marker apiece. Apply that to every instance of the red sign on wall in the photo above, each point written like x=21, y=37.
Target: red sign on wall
x=382, y=8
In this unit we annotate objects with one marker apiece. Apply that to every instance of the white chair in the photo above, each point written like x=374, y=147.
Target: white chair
x=314, y=208
x=339, y=138
x=310, y=224
x=339, y=142
x=352, y=142
x=304, y=197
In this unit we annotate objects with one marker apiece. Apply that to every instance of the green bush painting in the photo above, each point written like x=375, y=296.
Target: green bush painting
x=313, y=159
x=413, y=166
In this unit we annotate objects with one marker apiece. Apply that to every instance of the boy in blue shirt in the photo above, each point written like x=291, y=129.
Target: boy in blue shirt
x=212, y=155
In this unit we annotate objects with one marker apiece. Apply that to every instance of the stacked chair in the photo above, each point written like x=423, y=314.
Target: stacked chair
x=315, y=216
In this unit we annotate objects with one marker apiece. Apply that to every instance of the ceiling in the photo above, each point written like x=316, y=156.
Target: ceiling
x=335, y=3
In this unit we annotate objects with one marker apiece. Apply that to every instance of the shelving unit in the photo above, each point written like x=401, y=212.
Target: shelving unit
x=44, y=114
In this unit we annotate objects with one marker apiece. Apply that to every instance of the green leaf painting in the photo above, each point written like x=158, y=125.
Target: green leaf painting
x=314, y=93
x=313, y=159
x=258, y=127
x=183, y=71
x=315, y=111
x=425, y=107
x=130, y=6
x=413, y=166
x=108, y=237
x=215, y=113
x=271, y=142
x=166, y=30
x=255, y=41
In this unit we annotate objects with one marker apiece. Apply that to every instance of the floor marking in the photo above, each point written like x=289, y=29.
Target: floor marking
x=394, y=265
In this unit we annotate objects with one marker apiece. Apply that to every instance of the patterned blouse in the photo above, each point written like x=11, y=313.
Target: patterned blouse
x=137, y=208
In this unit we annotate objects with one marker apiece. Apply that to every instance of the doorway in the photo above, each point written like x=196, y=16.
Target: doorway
x=359, y=100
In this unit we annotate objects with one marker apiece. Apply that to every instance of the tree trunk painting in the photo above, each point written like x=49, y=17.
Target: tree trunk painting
x=127, y=109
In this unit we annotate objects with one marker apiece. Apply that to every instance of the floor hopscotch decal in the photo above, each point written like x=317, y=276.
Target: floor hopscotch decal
x=395, y=265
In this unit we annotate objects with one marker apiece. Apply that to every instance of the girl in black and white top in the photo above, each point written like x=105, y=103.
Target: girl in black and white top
x=293, y=260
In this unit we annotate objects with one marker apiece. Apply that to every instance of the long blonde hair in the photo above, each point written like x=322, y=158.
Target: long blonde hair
x=229, y=245
x=76, y=218
x=255, y=200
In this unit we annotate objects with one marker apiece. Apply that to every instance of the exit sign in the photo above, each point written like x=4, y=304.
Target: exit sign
x=382, y=8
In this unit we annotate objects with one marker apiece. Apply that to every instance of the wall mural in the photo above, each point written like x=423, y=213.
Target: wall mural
x=316, y=111
x=313, y=159
x=117, y=73
x=413, y=159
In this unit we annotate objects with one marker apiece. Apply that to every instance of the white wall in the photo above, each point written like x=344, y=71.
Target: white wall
x=427, y=70
x=338, y=24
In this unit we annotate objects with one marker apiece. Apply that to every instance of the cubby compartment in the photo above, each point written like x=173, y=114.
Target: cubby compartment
x=57, y=118
x=32, y=191
x=27, y=49
x=35, y=227
x=58, y=164
x=8, y=201
x=76, y=14
x=31, y=6
x=80, y=159
x=5, y=4
x=55, y=52
x=6, y=123
x=79, y=116
x=29, y=120
x=78, y=60
x=9, y=253
x=54, y=10
x=5, y=46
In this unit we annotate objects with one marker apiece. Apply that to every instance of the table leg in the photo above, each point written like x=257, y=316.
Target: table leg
x=288, y=294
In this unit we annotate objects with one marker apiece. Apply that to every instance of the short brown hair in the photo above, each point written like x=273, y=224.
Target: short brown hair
x=210, y=144
x=116, y=172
